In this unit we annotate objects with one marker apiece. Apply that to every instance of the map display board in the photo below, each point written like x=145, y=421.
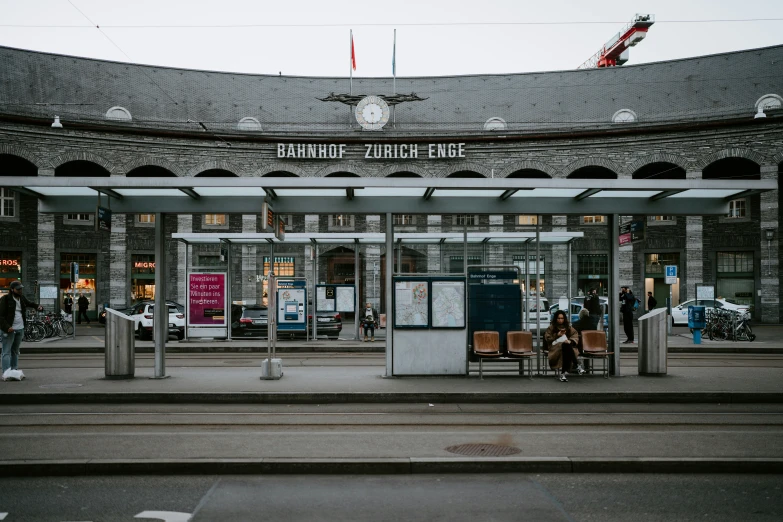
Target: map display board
x=411, y=304
x=324, y=303
x=345, y=298
x=448, y=304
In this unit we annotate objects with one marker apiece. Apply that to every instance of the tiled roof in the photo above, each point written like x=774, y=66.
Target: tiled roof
x=701, y=88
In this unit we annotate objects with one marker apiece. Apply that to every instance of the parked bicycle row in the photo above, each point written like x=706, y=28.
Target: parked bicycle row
x=41, y=326
x=728, y=325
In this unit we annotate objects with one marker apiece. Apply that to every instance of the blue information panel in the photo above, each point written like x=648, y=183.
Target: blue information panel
x=696, y=317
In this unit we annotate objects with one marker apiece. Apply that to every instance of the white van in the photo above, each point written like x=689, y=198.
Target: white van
x=538, y=307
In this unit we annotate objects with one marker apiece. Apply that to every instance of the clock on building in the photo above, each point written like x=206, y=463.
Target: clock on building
x=372, y=112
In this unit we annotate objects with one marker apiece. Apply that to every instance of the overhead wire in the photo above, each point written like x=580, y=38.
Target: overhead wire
x=380, y=24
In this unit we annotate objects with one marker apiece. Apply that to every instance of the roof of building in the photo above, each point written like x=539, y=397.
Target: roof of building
x=721, y=86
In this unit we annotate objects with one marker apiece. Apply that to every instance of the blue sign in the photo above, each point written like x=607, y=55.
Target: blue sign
x=492, y=275
x=671, y=270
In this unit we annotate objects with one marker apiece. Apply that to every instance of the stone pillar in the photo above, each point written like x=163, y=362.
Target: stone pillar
x=251, y=289
x=434, y=258
x=692, y=271
x=47, y=269
x=557, y=278
x=770, y=250
x=184, y=226
x=119, y=280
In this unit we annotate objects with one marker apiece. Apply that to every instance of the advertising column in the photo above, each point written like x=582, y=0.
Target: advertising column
x=207, y=305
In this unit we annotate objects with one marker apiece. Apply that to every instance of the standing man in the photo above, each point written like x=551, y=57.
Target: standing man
x=68, y=305
x=83, y=304
x=651, y=301
x=593, y=305
x=627, y=301
x=369, y=321
x=12, y=318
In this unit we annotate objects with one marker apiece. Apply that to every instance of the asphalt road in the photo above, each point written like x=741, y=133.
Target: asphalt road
x=381, y=498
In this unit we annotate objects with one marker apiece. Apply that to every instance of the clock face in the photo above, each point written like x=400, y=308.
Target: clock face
x=372, y=113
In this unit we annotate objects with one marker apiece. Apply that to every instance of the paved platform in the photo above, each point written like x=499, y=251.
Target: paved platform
x=360, y=377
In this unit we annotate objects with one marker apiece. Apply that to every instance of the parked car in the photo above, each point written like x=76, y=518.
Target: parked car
x=252, y=321
x=577, y=303
x=143, y=314
x=127, y=311
x=680, y=312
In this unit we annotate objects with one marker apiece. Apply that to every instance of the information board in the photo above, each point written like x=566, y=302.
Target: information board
x=345, y=298
x=411, y=304
x=48, y=292
x=706, y=292
x=322, y=302
x=448, y=304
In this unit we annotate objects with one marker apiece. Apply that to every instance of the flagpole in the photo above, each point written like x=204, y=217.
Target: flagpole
x=350, y=70
x=394, y=81
x=394, y=63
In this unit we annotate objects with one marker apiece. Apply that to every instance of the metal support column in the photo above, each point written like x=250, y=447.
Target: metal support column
x=160, y=330
x=315, y=282
x=538, y=292
x=614, y=303
x=389, y=290
x=356, y=298
x=568, y=284
x=229, y=298
x=527, y=285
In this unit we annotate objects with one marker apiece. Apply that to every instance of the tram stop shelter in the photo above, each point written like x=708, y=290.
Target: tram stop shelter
x=390, y=196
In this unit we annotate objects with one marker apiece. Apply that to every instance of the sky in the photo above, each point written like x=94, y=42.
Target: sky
x=434, y=37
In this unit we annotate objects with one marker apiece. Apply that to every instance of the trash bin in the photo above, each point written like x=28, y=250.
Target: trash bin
x=653, y=343
x=120, y=346
x=697, y=319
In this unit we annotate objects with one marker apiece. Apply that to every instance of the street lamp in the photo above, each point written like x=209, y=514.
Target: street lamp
x=769, y=234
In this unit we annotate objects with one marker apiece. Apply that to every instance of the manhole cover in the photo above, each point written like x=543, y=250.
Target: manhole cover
x=67, y=385
x=483, y=450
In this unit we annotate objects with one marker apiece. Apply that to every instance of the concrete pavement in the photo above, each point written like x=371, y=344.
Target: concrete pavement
x=217, y=376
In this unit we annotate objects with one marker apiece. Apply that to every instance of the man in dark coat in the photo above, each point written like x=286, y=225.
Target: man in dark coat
x=627, y=300
x=83, y=303
x=593, y=305
x=12, y=320
x=651, y=301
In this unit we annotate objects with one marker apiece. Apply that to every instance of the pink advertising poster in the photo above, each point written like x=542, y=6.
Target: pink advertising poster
x=207, y=299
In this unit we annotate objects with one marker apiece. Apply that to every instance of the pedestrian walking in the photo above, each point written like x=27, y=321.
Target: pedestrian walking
x=82, y=303
x=12, y=320
x=651, y=301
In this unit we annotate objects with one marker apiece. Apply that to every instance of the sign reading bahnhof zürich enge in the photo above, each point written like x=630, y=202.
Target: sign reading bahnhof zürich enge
x=371, y=150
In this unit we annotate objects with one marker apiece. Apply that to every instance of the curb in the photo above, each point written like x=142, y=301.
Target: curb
x=395, y=398
x=391, y=466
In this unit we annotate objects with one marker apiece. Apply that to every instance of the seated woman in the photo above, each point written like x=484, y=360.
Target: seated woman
x=562, y=355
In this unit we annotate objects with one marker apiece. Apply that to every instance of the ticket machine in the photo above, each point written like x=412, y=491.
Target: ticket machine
x=292, y=305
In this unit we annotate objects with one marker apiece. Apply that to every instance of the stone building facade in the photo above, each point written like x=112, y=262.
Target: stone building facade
x=686, y=119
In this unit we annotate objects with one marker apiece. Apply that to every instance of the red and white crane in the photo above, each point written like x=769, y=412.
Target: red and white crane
x=615, y=51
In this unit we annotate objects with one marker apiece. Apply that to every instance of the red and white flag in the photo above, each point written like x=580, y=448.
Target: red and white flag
x=353, y=54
